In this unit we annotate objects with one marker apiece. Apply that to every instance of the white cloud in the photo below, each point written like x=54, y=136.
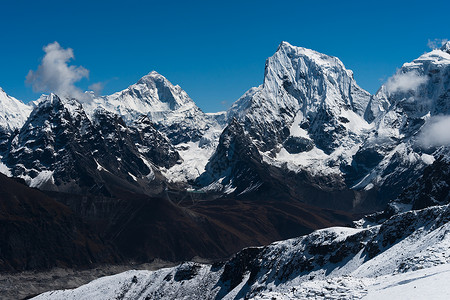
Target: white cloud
x=436, y=43
x=436, y=132
x=405, y=82
x=55, y=75
x=97, y=88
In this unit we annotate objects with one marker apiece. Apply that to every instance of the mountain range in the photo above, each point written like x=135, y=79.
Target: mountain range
x=148, y=175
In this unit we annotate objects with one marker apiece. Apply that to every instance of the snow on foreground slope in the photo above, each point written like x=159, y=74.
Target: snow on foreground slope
x=406, y=251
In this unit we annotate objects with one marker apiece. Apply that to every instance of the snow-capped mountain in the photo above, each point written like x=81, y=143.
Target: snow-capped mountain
x=407, y=131
x=168, y=107
x=60, y=148
x=307, y=118
x=309, y=136
x=310, y=117
x=172, y=113
x=304, y=92
x=308, y=122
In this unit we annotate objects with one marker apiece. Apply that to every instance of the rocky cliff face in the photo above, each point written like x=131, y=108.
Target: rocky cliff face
x=59, y=148
x=303, y=92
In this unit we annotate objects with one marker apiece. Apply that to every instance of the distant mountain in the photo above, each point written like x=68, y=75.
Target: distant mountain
x=404, y=111
x=167, y=106
x=174, y=114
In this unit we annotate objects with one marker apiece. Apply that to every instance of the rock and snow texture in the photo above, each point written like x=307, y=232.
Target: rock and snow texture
x=410, y=113
x=309, y=118
x=60, y=148
x=305, y=94
x=310, y=115
x=173, y=113
x=333, y=263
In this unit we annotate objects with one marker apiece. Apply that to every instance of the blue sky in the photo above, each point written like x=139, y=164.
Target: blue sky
x=213, y=50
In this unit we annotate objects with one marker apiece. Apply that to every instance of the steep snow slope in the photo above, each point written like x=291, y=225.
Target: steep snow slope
x=381, y=259
x=13, y=113
x=334, y=262
x=304, y=94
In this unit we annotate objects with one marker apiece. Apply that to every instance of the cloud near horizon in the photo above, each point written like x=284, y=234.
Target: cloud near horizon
x=405, y=82
x=55, y=75
x=436, y=132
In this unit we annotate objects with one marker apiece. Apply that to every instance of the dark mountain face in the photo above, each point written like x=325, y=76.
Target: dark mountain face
x=60, y=149
x=239, y=168
x=152, y=144
x=37, y=232
x=144, y=228
x=236, y=159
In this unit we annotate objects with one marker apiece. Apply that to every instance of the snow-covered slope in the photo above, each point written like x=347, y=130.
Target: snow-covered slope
x=305, y=94
x=13, y=113
x=336, y=262
x=407, y=250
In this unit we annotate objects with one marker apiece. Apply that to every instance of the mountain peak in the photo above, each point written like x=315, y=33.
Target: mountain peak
x=446, y=47
x=284, y=44
x=152, y=77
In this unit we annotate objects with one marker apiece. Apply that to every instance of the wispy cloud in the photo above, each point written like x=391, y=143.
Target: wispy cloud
x=54, y=74
x=436, y=132
x=405, y=82
x=97, y=88
x=436, y=43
